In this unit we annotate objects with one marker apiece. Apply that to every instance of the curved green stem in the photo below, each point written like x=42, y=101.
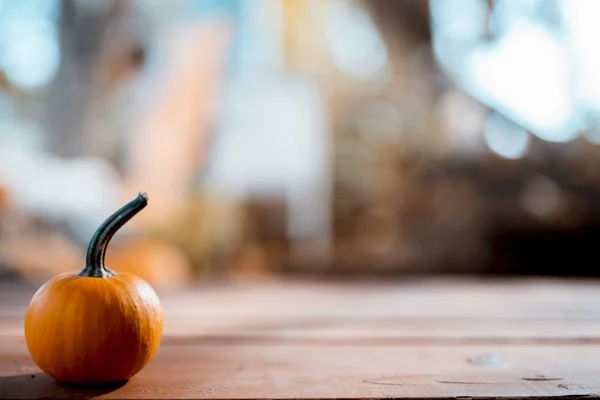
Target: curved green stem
x=94, y=266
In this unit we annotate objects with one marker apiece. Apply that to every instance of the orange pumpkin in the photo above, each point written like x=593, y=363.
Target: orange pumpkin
x=95, y=326
x=3, y=197
x=147, y=257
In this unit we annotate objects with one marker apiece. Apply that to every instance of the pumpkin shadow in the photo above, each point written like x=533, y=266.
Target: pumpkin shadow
x=42, y=386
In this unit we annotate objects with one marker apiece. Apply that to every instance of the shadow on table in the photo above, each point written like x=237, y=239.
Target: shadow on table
x=42, y=386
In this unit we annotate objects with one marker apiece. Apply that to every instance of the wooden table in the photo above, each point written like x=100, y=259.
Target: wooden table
x=301, y=340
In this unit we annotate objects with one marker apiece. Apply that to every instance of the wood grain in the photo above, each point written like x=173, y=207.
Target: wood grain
x=304, y=340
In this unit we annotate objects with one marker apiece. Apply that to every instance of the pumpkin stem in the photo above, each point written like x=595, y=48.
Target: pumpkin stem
x=94, y=266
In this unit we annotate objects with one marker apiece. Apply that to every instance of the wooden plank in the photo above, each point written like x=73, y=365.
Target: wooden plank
x=436, y=311
x=209, y=371
x=445, y=299
x=460, y=331
x=429, y=339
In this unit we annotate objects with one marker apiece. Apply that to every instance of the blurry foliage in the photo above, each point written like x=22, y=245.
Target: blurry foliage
x=415, y=185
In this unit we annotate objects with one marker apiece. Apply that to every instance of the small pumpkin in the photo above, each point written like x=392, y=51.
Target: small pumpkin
x=146, y=258
x=95, y=326
x=4, y=195
x=22, y=255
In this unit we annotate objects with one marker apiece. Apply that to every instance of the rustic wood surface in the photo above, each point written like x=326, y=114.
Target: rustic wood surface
x=302, y=340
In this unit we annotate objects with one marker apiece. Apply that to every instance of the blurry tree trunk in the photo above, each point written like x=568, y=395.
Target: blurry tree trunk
x=406, y=28
x=406, y=20
x=416, y=83
x=82, y=26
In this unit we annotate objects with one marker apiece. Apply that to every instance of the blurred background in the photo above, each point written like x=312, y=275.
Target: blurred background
x=301, y=137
